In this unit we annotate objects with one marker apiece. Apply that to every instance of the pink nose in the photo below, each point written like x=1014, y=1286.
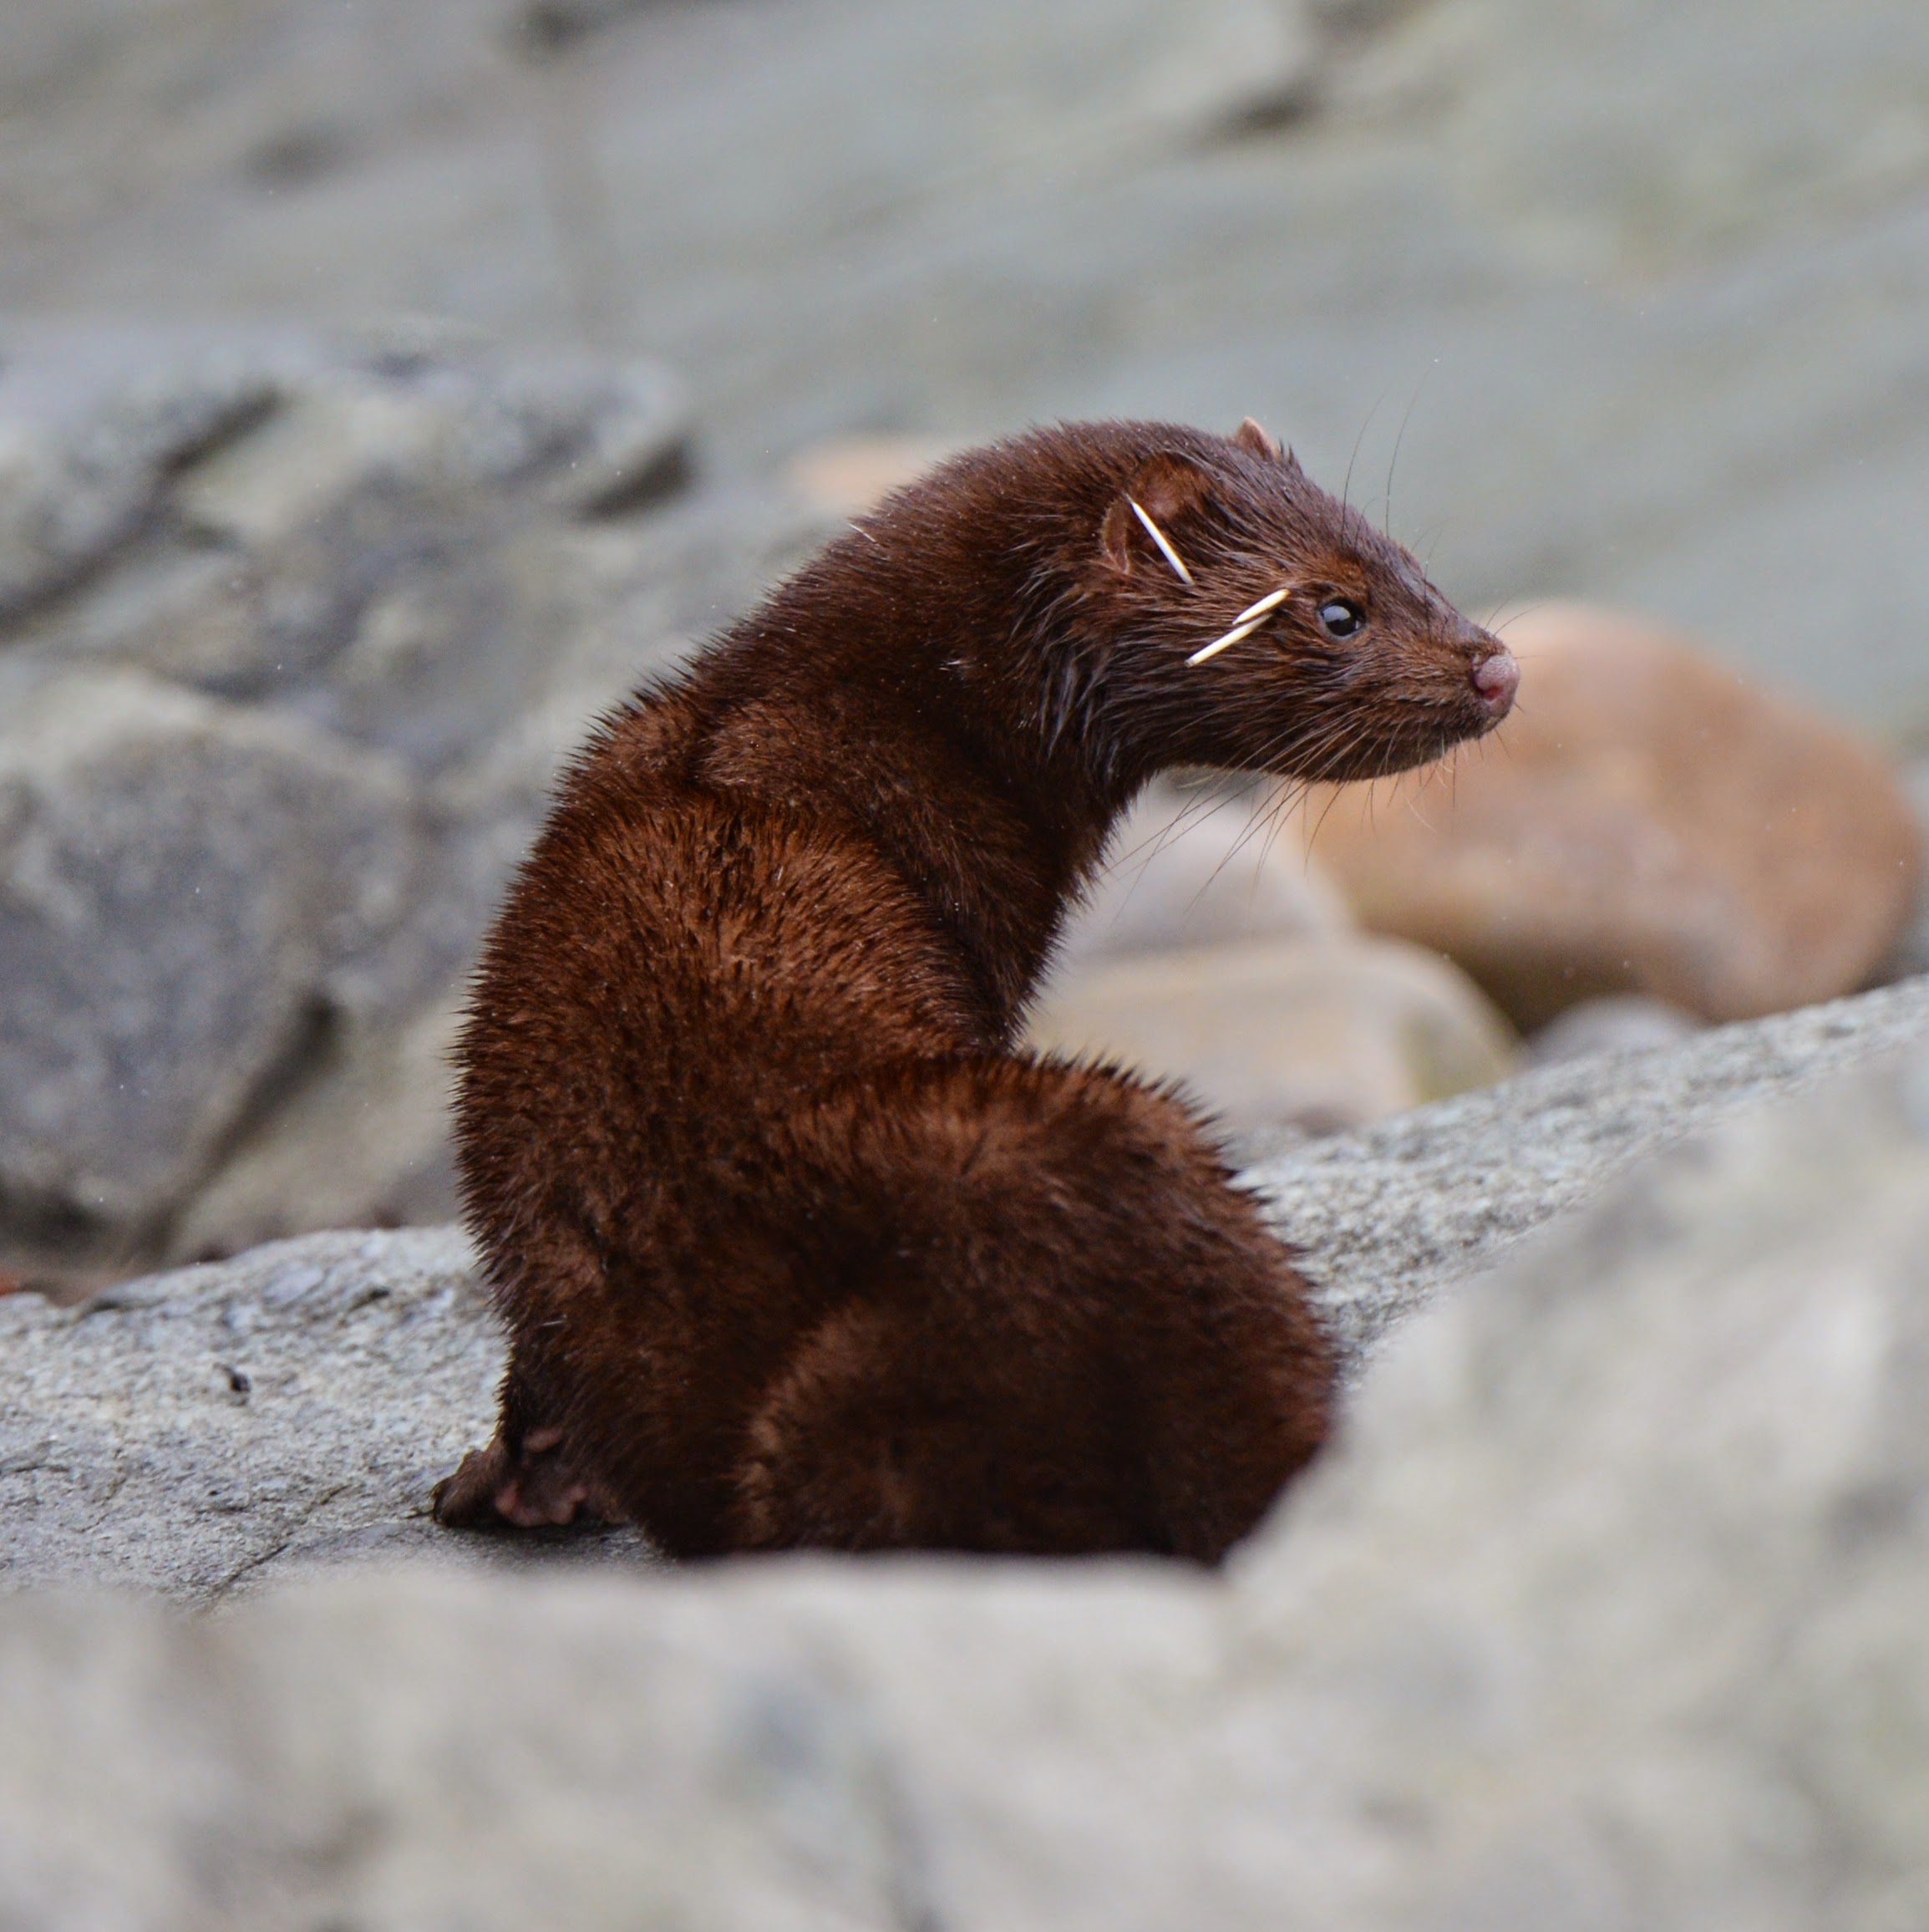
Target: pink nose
x=1496, y=679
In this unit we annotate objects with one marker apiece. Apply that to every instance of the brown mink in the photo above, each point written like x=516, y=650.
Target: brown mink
x=793, y=1244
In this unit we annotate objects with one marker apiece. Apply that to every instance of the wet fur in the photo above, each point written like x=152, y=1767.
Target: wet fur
x=793, y=1244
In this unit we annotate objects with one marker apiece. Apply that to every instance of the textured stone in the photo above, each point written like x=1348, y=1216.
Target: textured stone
x=179, y=883
x=409, y=566
x=361, y=1141
x=1324, y=1033
x=1388, y=1216
x=1605, y=1611
x=376, y=1354
x=193, y=1432
x=1646, y=821
x=87, y=445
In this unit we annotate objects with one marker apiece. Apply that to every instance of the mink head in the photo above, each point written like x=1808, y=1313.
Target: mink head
x=1231, y=612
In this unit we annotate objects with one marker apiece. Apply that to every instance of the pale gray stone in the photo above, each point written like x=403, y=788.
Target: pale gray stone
x=413, y=567
x=197, y=1431
x=1608, y=1024
x=1383, y=1219
x=179, y=881
x=1387, y=1216
x=1605, y=1612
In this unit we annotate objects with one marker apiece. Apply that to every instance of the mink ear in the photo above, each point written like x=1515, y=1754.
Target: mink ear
x=1258, y=441
x=1164, y=488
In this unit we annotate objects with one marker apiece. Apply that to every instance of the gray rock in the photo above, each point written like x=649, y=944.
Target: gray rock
x=1708, y=242
x=196, y=1432
x=1606, y=1611
x=414, y=569
x=382, y=1339
x=1608, y=1024
x=1388, y=1216
x=179, y=883
x=1603, y=1614
x=87, y=445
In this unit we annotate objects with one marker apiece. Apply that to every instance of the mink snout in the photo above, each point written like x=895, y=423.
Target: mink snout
x=1496, y=679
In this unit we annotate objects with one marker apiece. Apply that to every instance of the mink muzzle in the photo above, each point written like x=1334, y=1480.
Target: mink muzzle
x=794, y=1244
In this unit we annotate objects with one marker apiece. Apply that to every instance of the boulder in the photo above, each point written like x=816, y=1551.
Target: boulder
x=128, y=1451
x=1207, y=955
x=1605, y=1610
x=1324, y=1033
x=181, y=882
x=1646, y=821
x=1199, y=864
x=1611, y=1025
x=281, y=717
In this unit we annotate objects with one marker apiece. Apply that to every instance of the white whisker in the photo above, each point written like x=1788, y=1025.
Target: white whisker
x=1158, y=537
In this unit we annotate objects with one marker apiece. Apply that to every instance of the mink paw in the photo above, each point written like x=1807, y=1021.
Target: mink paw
x=536, y=1488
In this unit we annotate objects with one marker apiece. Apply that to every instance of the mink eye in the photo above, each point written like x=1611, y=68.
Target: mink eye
x=1341, y=617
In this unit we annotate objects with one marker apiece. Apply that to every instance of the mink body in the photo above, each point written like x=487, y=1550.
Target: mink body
x=793, y=1245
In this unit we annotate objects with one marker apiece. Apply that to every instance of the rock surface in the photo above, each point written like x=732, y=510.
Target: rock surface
x=299, y=627
x=1653, y=282
x=1645, y=822
x=127, y=1452
x=1207, y=955
x=1326, y=1034
x=1194, y=865
x=181, y=882
x=1605, y=1611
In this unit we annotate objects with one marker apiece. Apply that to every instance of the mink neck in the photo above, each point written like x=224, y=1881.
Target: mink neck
x=931, y=681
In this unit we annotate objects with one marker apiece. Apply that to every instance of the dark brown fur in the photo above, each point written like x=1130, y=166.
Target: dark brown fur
x=793, y=1245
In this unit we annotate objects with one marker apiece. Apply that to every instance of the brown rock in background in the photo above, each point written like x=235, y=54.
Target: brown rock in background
x=1646, y=821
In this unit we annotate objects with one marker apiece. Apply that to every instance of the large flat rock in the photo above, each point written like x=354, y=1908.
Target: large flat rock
x=1604, y=1612
x=209, y=1430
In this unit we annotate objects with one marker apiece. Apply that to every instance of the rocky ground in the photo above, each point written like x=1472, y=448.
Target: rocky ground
x=1604, y=1611
x=387, y=387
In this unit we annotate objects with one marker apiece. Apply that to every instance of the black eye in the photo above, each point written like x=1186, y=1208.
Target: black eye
x=1342, y=617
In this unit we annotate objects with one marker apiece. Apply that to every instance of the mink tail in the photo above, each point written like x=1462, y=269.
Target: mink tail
x=1037, y=1319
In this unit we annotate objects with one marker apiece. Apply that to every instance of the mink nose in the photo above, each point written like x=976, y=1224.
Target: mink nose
x=1496, y=679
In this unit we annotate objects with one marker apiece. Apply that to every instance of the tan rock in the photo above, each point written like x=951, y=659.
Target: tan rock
x=1198, y=866
x=1330, y=1033
x=1646, y=822
x=847, y=475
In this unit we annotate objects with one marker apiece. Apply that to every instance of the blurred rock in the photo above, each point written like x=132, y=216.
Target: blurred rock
x=283, y=716
x=1646, y=821
x=1392, y=1215
x=127, y=1451
x=1605, y=1610
x=847, y=475
x=1326, y=1033
x=359, y=1139
x=83, y=457
x=1910, y=955
x=1623, y=1021
x=1198, y=865
x=1206, y=954
x=179, y=881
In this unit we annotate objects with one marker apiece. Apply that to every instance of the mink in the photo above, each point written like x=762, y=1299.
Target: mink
x=794, y=1241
